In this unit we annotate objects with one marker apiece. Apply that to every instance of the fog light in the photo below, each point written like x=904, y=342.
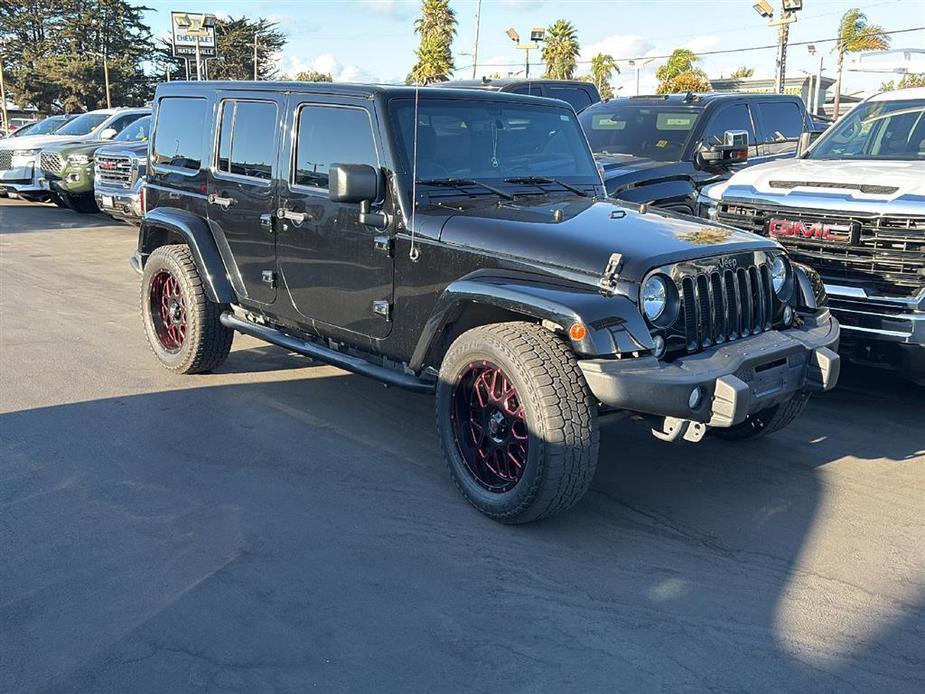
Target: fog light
x=695, y=398
x=659, y=343
x=788, y=315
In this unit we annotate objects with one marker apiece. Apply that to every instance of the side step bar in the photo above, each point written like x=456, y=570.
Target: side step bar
x=328, y=356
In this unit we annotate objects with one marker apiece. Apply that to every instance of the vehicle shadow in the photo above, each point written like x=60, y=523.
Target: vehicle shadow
x=268, y=536
x=47, y=217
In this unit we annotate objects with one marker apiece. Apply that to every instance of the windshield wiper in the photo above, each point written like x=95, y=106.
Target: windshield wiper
x=539, y=181
x=461, y=183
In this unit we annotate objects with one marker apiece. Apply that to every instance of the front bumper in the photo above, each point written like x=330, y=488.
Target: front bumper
x=73, y=180
x=121, y=203
x=734, y=379
x=23, y=177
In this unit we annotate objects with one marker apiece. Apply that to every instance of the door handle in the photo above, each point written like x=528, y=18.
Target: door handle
x=224, y=203
x=295, y=217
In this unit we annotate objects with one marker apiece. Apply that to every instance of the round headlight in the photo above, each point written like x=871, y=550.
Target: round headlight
x=654, y=297
x=779, y=271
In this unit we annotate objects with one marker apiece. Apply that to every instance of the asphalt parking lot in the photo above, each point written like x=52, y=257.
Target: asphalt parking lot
x=280, y=526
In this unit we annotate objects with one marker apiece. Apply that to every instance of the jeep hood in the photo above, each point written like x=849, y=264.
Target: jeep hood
x=830, y=184
x=581, y=234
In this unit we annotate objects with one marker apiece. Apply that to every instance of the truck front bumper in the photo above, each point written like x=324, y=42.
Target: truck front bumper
x=121, y=203
x=722, y=385
x=22, y=177
x=73, y=180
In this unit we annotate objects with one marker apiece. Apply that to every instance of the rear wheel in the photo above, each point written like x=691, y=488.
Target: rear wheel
x=767, y=421
x=517, y=422
x=183, y=327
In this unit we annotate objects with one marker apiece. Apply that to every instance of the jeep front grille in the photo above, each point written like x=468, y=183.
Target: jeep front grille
x=6, y=159
x=114, y=170
x=51, y=163
x=889, y=257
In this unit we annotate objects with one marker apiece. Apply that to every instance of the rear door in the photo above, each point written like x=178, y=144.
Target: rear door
x=242, y=189
x=330, y=264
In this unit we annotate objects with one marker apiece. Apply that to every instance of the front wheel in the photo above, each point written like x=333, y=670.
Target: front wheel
x=183, y=327
x=767, y=421
x=517, y=422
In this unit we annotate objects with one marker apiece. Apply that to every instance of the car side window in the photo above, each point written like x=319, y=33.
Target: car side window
x=576, y=96
x=528, y=89
x=731, y=117
x=121, y=123
x=177, y=138
x=331, y=135
x=782, y=121
x=245, y=146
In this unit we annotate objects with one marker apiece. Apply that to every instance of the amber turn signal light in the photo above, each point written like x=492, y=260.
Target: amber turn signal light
x=577, y=331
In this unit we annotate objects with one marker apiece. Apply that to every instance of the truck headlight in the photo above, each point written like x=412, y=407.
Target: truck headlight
x=654, y=297
x=78, y=159
x=779, y=275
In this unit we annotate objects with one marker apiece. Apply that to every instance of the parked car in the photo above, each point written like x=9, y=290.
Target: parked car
x=657, y=149
x=579, y=94
x=119, y=174
x=19, y=166
x=853, y=207
x=459, y=242
x=42, y=127
x=67, y=169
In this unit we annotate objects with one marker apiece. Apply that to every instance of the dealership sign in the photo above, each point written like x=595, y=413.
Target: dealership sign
x=187, y=30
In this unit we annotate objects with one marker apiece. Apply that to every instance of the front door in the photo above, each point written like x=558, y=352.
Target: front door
x=242, y=191
x=329, y=263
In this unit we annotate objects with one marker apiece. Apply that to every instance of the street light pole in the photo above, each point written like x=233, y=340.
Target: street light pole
x=198, y=61
x=6, y=117
x=106, y=75
x=255, y=54
x=788, y=16
x=475, y=44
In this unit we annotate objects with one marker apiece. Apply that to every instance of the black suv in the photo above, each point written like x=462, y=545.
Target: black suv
x=460, y=243
x=657, y=149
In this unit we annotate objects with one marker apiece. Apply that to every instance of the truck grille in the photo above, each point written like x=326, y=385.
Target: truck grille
x=723, y=305
x=889, y=256
x=6, y=159
x=114, y=170
x=51, y=163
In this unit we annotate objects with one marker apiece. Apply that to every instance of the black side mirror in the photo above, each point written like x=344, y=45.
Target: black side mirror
x=734, y=150
x=357, y=183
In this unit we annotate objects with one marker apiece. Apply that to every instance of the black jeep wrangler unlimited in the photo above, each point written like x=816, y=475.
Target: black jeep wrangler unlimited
x=460, y=242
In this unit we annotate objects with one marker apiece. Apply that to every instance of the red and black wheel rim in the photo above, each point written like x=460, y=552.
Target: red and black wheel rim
x=491, y=431
x=168, y=311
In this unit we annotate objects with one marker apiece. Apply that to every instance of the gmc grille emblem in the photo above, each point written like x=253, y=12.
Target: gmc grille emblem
x=108, y=165
x=831, y=232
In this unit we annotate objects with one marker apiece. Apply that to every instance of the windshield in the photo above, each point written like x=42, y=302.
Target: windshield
x=135, y=132
x=654, y=132
x=492, y=141
x=876, y=130
x=43, y=127
x=84, y=124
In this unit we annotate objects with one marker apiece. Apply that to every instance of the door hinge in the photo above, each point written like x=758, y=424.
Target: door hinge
x=383, y=308
x=268, y=277
x=383, y=244
x=608, y=280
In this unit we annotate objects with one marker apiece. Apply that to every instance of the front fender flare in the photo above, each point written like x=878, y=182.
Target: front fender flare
x=613, y=323
x=160, y=224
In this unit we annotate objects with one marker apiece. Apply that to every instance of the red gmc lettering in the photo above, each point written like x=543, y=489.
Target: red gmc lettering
x=816, y=230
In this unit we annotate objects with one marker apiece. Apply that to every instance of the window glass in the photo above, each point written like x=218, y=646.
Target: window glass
x=252, y=150
x=782, y=120
x=224, y=140
x=654, y=132
x=528, y=89
x=332, y=136
x=576, y=96
x=137, y=131
x=178, y=136
x=732, y=117
x=876, y=130
x=83, y=125
x=120, y=123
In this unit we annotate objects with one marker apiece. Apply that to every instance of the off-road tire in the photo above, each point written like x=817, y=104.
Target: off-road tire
x=767, y=421
x=207, y=342
x=559, y=411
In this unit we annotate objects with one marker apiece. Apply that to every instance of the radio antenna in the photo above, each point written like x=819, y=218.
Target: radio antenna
x=414, y=254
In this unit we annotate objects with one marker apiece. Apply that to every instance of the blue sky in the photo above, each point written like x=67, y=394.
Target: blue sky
x=373, y=40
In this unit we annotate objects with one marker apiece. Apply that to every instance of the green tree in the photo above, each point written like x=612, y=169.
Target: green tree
x=602, y=68
x=907, y=81
x=742, y=72
x=679, y=75
x=54, y=52
x=855, y=35
x=436, y=27
x=312, y=76
x=234, y=39
x=561, y=49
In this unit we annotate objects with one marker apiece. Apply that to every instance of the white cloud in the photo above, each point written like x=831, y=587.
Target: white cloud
x=327, y=63
x=397, y=9
x=619, y=46
x=703, y=43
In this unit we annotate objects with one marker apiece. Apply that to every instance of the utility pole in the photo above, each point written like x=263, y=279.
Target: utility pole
x=537, y=34
x=788, y=11
x=475, y=44
x=6, y=118
x=255, y=53
x=198, y=60
x=106, y=75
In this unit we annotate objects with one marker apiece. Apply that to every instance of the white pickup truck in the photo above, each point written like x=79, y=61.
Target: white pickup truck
x=852, y=206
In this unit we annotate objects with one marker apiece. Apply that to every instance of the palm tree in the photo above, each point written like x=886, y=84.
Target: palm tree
x=437, y=27
x=602, y=68
x=742, y=72
x=679, y=74
x=855, y=35
x=561, y=50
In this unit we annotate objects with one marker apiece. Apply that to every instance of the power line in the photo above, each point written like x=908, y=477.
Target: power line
x=703, y=53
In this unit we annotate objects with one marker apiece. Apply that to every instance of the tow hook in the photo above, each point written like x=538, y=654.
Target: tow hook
x=674, y=428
